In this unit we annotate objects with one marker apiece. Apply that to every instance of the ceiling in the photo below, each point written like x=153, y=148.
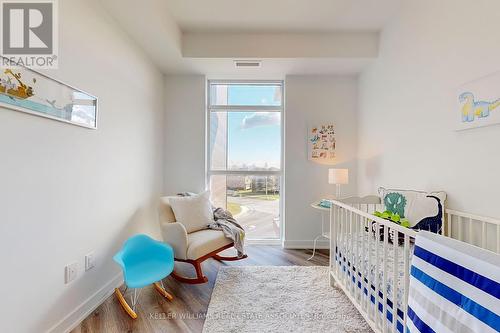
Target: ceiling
x=281, y=15
x=277, y=69
x=289, y=36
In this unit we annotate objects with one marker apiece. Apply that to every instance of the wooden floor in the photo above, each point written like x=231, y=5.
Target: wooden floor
x=186, y=312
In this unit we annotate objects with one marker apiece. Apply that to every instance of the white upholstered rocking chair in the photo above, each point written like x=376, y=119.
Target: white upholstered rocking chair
x=194, y=247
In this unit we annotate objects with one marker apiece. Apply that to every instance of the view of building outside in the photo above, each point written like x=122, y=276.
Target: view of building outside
x=243, y=141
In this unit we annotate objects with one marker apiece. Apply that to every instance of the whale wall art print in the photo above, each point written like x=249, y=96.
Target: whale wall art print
x=478, y=102
x=23, y=89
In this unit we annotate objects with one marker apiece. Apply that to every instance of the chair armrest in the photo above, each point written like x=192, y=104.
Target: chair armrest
x=175, y=234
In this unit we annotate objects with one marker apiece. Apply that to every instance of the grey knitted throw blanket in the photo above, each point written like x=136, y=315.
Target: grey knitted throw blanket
x=224, y=221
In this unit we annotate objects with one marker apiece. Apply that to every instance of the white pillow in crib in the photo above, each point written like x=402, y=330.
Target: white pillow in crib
x=194, y=211
x=424, y=210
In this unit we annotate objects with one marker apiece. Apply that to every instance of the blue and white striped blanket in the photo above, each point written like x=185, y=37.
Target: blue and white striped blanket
x=454, y=287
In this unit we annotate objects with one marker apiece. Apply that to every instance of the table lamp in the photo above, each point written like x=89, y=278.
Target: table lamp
x=338, y=177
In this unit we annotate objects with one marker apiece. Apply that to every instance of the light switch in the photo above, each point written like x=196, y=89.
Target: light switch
x=89, y=261
x=70, y=272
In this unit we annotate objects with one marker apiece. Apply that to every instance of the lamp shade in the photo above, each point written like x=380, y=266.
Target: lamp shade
x=338, y=176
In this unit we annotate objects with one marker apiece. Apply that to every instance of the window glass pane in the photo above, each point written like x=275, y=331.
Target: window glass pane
x=250, y=140
x=246, y=139
x=218, y=140
x=244, y=95
x=218, y=190
x=254, y=140
x=253, y=200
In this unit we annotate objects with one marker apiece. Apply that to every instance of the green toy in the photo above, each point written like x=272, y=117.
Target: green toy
x=394, y=217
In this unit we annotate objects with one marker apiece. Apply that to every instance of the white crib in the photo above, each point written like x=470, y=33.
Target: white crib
x=373, y=272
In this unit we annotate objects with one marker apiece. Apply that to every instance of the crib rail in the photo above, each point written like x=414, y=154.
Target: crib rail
x=370, y=260
x=478, y=230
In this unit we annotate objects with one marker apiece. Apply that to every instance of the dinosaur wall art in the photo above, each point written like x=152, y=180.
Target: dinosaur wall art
x=472, y=108
x=479, y=102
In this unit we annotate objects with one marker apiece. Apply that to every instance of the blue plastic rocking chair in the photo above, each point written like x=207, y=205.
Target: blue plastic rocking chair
x=144, y=261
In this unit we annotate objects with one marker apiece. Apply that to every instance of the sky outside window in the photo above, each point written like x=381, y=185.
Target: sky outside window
x=253, y=138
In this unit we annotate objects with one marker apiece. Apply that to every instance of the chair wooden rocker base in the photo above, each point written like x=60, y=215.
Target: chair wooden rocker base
x=200, y=278
x=131, y=310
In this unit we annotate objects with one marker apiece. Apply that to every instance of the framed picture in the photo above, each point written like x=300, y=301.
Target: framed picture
x=23, y=89
x=478, y=103
x=321, y=142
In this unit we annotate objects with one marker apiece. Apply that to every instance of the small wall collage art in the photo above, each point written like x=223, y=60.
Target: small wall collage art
x=321, y=142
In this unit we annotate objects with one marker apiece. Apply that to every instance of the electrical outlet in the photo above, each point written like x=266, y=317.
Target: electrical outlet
x=89, y=261
x=71, y=272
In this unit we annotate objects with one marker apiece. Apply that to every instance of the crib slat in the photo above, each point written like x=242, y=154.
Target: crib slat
x=359, y=268
x=394, y=281
x=348, y=253
x=363, y=263
x=346, y=247
x=450, y=222
x=339, y=245
x=377, y=270
x=334, y=233
x=341, y=248
x=483, y=235
x=337, y=242
x=406, y=277
x=368, y=269
x=356, y=256
x=470, y=232
x=351, y=252
x=332, y=240
x=341, y=231
x=354, y=267
x=498, y=238
x=460, y=228
x=384, y=285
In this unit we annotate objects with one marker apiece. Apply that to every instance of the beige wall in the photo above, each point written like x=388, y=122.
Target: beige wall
x=313, y=100
x=408, y=104
x=67, y=190
x=185, y=118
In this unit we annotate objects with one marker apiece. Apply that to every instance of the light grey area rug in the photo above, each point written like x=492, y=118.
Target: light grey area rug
x=279, y=299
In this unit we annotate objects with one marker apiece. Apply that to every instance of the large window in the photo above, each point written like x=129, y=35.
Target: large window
x=244, y=153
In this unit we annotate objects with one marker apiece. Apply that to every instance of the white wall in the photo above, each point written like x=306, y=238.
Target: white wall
x=407, y=104
x=66, y=190
x=314, y=100
x=185, y=119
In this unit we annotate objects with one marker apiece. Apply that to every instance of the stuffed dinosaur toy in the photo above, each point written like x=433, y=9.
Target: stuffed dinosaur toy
x=393, y=217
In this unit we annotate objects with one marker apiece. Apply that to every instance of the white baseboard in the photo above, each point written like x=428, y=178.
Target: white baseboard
x=306, y=244
x=75, y=317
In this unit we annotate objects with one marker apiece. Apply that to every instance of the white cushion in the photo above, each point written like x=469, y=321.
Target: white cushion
x=194, y=212
x=203, y=242
x=416, y=206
